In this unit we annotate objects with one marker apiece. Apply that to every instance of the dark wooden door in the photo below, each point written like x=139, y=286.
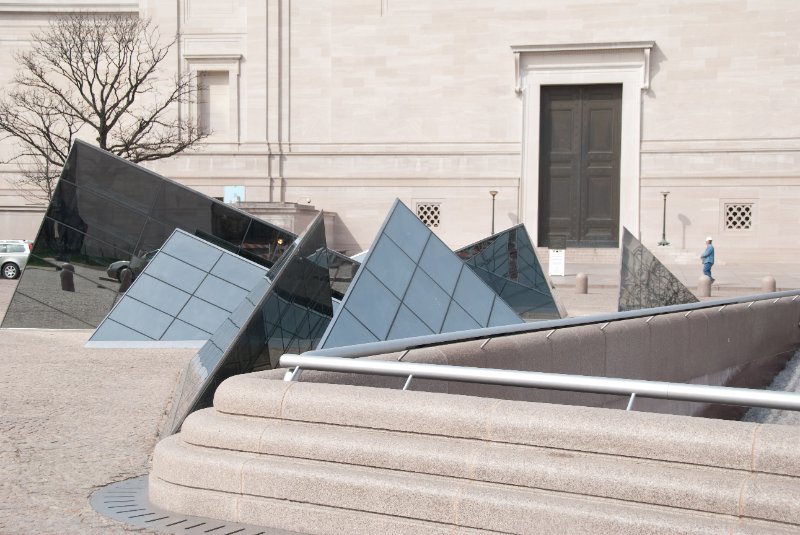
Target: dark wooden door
x=579, y=165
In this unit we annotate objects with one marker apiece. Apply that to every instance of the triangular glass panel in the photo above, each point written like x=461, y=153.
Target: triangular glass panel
x=508, y=263
x=408, y=282
x=278, y=323
x=645, y=282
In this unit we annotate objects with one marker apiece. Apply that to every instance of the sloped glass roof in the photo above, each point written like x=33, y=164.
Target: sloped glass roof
x=411, y=284
x=105, y=210
x=508, y=263
x=645, y=282
x=182, y=295
x=286, y=312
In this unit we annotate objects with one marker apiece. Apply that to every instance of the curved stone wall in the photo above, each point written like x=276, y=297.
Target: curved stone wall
x=322, y=458
x=736, y=345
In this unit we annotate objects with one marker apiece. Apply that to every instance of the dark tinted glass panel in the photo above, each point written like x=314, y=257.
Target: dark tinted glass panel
x=96, y=216
x=89, y=258
x=61, y=298
x=59, y=243
x=645, y=282
x=116, y=178
x=342, y=270
x=181, y=208
x=228, y=224
x=290, y=314
x=106, y=220
x=265, y=243
x=106, y=210
x=154, y=235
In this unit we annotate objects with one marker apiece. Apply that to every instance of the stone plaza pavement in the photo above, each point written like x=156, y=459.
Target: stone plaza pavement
x=73, y=419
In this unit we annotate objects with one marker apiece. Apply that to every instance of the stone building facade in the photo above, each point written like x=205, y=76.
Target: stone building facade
x=578, y=113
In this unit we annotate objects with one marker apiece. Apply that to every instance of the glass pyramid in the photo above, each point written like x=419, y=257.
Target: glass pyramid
x=106, y=210
x=287, y=311
x=182, y=296
x=507, y=262
x=411, y=284
x=645, y=282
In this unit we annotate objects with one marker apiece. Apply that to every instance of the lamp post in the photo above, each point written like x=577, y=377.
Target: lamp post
x=493, y=193
x=664, y=241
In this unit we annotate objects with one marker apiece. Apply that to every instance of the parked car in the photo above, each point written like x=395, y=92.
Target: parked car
x=14, y=257
x=135, y=265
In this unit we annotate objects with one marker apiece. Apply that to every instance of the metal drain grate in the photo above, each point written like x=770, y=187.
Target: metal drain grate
x=127, y=501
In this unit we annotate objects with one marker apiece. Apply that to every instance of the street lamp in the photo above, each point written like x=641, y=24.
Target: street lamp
x=493, y=193
x=664, y=241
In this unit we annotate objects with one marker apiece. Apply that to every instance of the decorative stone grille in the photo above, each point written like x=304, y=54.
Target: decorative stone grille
x=429, y=213
x=738, y=216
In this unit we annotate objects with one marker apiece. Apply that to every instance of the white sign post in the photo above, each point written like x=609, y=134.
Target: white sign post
x=557, y=262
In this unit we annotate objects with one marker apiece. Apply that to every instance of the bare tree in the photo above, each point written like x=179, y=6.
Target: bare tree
x=100, y=74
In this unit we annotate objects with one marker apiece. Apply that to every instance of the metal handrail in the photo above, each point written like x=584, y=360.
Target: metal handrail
x=406, y=344
x=552, y=381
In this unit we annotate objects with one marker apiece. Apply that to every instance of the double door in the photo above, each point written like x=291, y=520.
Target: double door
x=579, y=158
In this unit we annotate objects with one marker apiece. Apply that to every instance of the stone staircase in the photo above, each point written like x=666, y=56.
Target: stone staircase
x=323, y=458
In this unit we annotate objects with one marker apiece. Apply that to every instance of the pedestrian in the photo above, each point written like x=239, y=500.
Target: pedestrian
x=708, y=259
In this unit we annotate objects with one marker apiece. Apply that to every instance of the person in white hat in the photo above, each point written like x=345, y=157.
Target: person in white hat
x=708, y=259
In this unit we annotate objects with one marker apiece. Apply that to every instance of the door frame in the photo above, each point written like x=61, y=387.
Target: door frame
x=583, y=64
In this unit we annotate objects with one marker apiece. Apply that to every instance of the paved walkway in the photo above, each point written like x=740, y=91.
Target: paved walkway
x=731, y=280
x=73, y=420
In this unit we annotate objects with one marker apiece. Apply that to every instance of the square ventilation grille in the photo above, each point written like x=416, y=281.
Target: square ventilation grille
x=739, y=216
x=430, y=213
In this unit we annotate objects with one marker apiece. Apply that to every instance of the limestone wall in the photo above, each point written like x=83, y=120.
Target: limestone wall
x=346, y=105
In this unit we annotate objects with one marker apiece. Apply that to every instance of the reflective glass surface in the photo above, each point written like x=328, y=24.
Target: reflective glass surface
x=178, y=295
x=286, y=312
x=106, y=210
x=410, y=284
x=644, y=281
x=342, y=270
x=508, y=264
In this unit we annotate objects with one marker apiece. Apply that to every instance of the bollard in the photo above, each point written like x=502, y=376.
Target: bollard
x=581, y=283
x=67, y=277
x=704, y=286
x=768, y=284
x=125, y=280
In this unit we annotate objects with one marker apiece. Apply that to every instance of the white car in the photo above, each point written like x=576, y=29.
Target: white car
x=14, y=257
